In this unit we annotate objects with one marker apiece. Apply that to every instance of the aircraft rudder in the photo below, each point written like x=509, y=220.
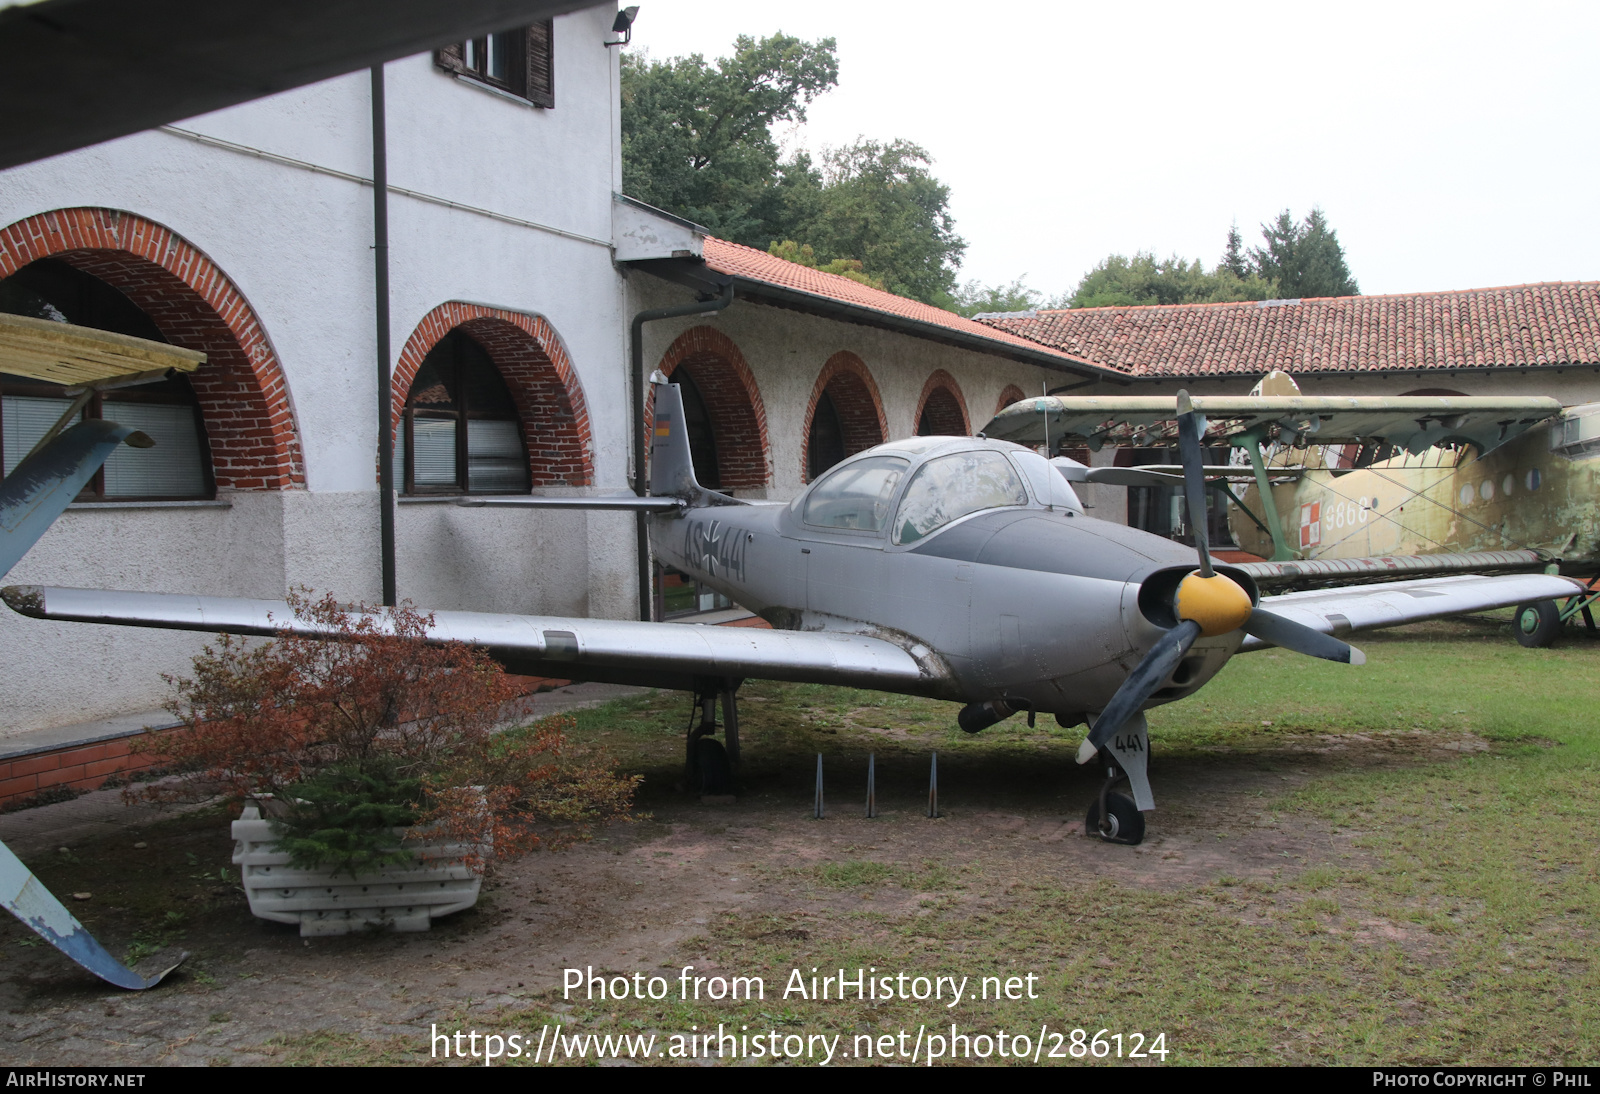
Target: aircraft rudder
x=671, y=463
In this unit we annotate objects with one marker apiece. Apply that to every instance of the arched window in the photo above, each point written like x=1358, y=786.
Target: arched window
x=942, y=409
x=825, y=447
x=178, y=467
x=846, y=415
x=941, y=416
x=460, y=432
x=727, y=426
x=697, y=426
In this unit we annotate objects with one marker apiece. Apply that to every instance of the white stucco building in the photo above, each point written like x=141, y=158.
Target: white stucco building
x=249, y=234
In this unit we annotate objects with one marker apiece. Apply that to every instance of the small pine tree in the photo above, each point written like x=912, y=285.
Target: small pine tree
x=1233, y=257
x=360, y=725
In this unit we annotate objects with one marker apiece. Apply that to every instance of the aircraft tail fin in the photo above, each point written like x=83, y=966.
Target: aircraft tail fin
x=671, y=463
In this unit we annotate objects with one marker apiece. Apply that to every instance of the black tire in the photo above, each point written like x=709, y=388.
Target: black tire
x=1537, y=624
x=711, y=766
x=1127, y=823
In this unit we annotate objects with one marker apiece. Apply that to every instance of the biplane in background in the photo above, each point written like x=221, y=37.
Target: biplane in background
x=1338, y=490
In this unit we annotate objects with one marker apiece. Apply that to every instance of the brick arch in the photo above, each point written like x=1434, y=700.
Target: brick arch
x=850, y=385
x=539, y=374
x=243, y=396
x=947, y=407
x=1012, y=394
x=717, y=367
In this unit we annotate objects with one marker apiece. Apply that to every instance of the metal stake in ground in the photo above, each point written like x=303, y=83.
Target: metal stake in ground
x=872, y=786
x=933, y=787
x=816, y=811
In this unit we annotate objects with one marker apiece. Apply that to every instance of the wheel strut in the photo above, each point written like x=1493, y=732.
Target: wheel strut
x=703, y=723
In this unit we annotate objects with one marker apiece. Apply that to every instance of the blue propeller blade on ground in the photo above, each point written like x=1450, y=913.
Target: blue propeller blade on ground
x=37, y=491
x=28, y=900
x=40, y=488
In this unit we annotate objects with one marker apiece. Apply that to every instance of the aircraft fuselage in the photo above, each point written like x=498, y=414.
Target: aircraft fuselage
x=1035, y=601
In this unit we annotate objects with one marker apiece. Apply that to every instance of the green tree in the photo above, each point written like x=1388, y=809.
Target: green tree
x=697, y=138
x=1303, y=259
x=1233, y=256
x=804, y=254
x=1145, y=279
x=697, y=141
x=975, y=298
x=879, y=203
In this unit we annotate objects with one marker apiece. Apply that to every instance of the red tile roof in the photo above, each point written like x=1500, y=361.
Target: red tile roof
x=753, y=265
x=1556, y=323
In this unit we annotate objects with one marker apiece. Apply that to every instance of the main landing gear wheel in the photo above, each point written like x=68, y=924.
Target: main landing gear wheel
x=1124, y=822
x=1537, y=624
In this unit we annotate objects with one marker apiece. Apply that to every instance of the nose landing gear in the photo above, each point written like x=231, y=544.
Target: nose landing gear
x=1113, y=816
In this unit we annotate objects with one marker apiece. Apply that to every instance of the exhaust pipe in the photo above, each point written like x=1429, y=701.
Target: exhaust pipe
x=980, y=716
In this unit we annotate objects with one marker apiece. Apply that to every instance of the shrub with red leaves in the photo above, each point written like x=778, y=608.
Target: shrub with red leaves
x=362, y=694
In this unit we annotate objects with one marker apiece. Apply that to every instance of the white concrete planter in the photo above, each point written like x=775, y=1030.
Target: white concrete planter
x=399, y=898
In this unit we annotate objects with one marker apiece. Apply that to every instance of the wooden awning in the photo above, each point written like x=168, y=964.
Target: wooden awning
x=76, y=357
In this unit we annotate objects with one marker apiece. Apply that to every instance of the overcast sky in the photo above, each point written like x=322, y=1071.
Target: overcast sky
x=1451, y=146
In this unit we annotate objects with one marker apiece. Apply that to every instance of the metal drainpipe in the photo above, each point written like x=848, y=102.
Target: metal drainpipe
x=380, y=268
x=641, y=482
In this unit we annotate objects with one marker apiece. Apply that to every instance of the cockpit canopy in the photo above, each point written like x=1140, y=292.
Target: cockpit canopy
x=926, y=483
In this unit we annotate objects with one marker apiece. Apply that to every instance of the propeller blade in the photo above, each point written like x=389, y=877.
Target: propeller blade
x=1140, y=684
x=40, y=488
x=1301, y=639
x=1191, y=426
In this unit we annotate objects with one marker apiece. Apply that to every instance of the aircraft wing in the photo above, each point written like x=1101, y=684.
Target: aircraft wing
x=668, y=655
x=1370, y=607
x=1411, y=422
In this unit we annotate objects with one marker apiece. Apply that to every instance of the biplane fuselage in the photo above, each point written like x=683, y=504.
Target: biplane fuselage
x=1539, y=490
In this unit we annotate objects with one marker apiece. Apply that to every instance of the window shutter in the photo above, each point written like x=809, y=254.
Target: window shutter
x=541, y=64
x=449, y=58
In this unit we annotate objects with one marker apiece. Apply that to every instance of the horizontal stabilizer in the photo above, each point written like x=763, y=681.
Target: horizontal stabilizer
x=625, y=502
x=1157, y=475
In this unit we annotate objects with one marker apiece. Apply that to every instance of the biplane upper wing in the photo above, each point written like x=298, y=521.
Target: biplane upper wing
x=1410, y=422
x=668, y=655
x=1372, y=607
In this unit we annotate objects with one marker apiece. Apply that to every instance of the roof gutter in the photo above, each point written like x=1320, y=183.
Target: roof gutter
x=764, y=292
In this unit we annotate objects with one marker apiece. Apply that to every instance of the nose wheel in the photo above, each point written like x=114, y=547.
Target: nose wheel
x=1113, y=817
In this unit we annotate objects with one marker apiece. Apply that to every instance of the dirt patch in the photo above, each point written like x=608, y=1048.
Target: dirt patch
x=640, y=896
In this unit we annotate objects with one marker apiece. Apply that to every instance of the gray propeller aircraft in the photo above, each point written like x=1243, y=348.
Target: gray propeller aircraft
x=956, y=568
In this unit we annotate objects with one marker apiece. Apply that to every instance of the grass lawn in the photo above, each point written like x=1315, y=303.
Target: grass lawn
x=1393, y=864
x=1453, y=920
